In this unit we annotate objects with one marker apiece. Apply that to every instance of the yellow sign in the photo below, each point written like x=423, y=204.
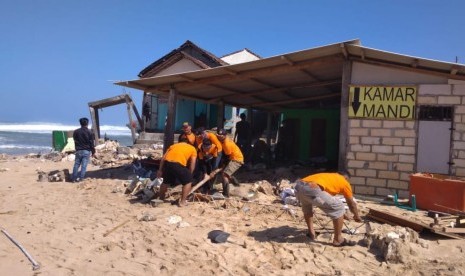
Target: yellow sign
x=382, y=102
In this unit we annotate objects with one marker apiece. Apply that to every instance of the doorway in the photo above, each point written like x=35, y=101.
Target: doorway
x=434, y=139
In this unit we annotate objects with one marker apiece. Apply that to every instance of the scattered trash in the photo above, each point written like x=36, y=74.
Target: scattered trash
x=174, y=219
x=183, y=224
x=148, y=217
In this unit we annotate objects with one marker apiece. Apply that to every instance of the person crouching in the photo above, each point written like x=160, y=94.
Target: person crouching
x=178, y=164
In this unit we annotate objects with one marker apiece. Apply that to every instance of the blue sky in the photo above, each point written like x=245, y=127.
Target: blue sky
x=56, y=56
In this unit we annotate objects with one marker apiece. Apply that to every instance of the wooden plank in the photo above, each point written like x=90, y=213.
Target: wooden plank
x=397, y=220
x=454, y=211
x=454, y=230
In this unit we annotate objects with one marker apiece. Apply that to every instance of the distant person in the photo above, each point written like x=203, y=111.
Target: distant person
x=187, y=133
x=242, y=136
x=146, y=113
x=319, y=190
x=85, y=148
x=234, y=157
x=177, y=166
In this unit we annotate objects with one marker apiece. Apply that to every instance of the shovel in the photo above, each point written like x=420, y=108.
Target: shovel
x=219, y=236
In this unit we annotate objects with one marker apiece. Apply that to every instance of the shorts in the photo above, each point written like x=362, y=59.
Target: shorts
x=174, y=173
x=309, y=197
x=232, y=167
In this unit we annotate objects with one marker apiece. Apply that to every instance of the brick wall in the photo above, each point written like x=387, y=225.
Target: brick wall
x=382, y=153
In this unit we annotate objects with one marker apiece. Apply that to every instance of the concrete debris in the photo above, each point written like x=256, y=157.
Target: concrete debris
x=394, y=244
x=53, y=176
x=147, y=217
x=174, y=219
x=264, y=187
x=108, y=154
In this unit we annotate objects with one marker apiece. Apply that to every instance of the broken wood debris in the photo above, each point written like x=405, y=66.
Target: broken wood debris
x=391, y=219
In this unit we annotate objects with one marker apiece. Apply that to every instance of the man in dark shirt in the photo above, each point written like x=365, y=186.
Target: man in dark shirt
x=242, y=135
x=84, y=144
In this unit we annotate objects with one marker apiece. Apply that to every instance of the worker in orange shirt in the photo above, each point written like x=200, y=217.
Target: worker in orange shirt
x=235, y=159
x=178, y=164
x=319, y=190
x=207, y=155
x=201, y=133
x=187, y=133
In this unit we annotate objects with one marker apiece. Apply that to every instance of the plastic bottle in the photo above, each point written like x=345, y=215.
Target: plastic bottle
x=156, y=183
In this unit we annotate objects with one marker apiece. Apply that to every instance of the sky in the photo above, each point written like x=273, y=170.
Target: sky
x=56, y=56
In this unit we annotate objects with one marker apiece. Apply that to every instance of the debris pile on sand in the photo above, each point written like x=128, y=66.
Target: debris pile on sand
x=394, y=244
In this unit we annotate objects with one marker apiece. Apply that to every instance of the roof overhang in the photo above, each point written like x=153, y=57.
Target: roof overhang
x=296, y=80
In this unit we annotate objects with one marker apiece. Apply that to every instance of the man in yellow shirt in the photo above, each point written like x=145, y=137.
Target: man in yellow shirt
x=234, y=156
x=319, y=190
x=178, y=164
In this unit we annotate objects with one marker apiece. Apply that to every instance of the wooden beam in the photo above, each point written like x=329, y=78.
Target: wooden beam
x=304, y=70
x=454, y=70
x=135, y=85
x=344, y=121
x=187, y=78
x=408, y=68
x=255, y=73
x=344, y=50
x=362, y=53
x=131, y=125
x=415, y=63
x=297, y=100
x=220, y=118
x=95, y=123
x=280, y=89
x=454, y=230
x=168, y=138
x=263, y=83
x=395, y=220
x=287, y=60
x=229, y=71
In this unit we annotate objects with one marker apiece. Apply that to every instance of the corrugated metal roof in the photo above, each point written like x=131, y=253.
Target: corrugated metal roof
x=294, y=80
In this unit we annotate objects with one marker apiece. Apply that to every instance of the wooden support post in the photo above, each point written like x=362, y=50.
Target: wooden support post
x=344, y=124
x=268, y=128
x=95, y=123
x=220, y=117
x=131, y=123
x=168, y=138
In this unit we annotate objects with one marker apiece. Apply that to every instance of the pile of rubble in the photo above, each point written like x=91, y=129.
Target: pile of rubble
x=110, y=154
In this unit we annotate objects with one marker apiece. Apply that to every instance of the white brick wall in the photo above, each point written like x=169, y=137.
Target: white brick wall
x=382, y=153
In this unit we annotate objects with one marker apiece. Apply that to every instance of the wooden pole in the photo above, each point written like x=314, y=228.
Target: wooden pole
x=168, y=138
x=35, y=265
x=210, y=176
x=344, y=125
x=116, y=227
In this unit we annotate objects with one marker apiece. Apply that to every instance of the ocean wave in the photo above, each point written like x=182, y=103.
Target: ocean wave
x=25, y=147
x=49, y=127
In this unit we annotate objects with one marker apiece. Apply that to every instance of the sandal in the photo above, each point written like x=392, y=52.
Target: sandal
x=345, y=243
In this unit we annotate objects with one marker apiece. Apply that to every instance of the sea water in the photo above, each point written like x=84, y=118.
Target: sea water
x=20, y=139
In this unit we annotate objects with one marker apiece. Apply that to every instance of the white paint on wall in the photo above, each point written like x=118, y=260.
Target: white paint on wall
x=184, y=65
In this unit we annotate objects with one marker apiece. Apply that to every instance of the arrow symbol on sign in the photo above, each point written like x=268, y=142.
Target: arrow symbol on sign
x=356, y=102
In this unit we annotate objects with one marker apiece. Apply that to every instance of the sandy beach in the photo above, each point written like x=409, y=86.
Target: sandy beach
x=94, y=228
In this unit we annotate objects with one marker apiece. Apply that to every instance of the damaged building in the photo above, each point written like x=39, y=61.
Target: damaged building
x=380, y=115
